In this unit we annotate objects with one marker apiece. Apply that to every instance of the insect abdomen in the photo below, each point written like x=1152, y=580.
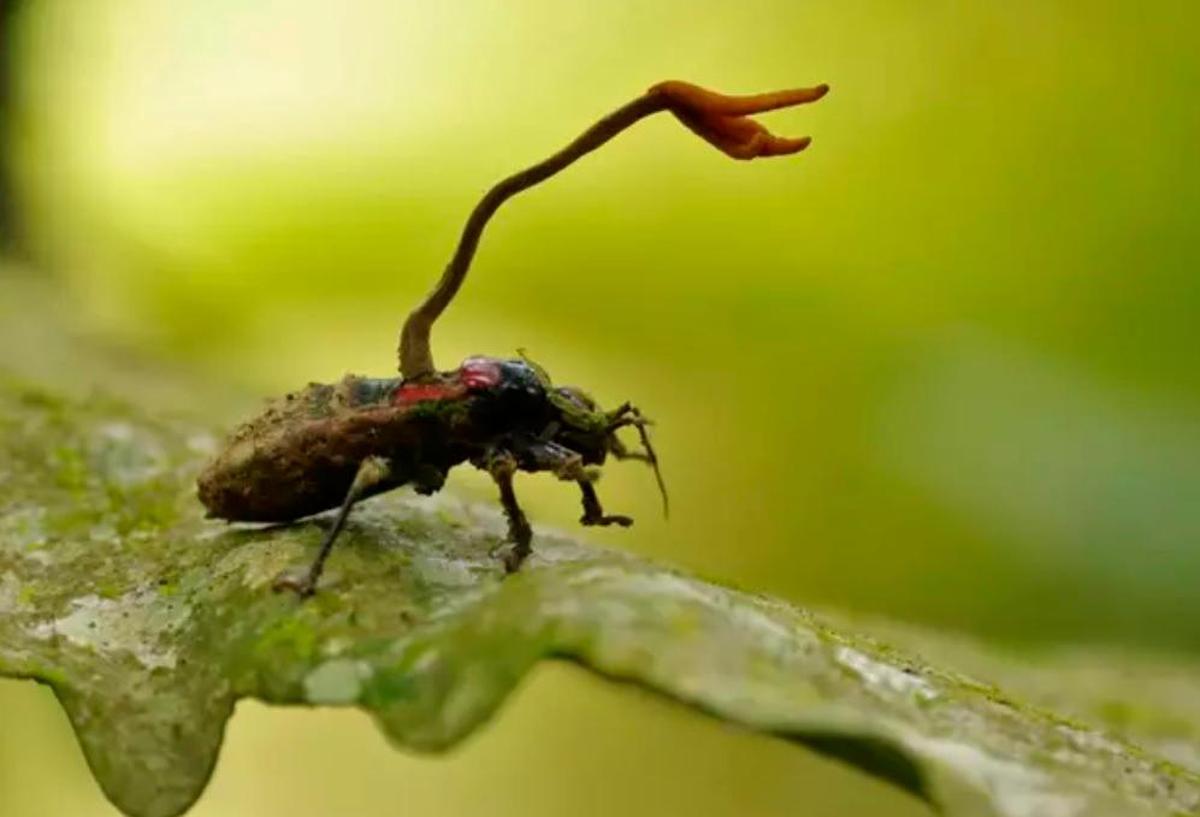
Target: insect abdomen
x=300, y=456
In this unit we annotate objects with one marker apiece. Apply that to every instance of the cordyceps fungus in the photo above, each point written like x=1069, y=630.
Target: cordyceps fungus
x=330, y=446
x=722, y=121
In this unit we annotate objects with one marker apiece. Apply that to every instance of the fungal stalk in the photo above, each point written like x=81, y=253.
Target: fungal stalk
x=722, y=121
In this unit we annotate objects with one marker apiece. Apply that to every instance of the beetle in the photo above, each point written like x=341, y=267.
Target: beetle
x=332, y=445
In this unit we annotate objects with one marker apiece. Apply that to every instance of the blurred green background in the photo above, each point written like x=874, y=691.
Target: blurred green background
x=942, y=367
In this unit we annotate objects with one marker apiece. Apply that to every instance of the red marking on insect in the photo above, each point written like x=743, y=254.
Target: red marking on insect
x=420, y=392
x=479, y=373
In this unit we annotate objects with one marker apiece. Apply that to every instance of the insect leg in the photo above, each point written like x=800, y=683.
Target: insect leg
x=619, y=450
x=371, y=472
x=593, y=513
x=502, y=466
x=627, y=415
x=546, y=455
x=568, y=465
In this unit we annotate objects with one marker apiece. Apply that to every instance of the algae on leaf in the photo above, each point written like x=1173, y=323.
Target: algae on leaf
x=150, y=622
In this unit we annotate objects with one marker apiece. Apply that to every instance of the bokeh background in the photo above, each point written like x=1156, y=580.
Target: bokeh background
x=943, y=367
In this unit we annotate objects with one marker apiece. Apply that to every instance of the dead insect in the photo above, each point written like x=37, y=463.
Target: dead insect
x=330, y=446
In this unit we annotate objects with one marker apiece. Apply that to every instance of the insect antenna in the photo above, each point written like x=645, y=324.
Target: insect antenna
x=652, y=458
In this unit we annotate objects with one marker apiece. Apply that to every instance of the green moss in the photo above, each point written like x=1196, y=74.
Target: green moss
x=109, y=590
x=291, y=636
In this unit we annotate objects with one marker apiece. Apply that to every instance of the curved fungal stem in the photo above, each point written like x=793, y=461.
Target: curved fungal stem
x=720, y=120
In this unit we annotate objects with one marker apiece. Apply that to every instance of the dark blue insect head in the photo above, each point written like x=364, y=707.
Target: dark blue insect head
x=518, y=395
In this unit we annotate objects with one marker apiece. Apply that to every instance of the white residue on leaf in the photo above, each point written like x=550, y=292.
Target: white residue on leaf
x=336, y=682
x=39, y=557
x=23, y=529
x=1013, y=789
x=260, y=563
x=336, y=646
x=881, y=676
x=638, y=598
x=10, y=594
x=445, y=571
x=118, y=432
x=138, y=623
x=469, y=699
x=126, y=456
x=201, y=443
x=104, y=533
x=778, y=637
x=1087, y=740
x=1179, y=750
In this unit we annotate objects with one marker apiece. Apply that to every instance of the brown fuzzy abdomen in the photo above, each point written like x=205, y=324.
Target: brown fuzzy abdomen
x=272, y=487
x=283, y=471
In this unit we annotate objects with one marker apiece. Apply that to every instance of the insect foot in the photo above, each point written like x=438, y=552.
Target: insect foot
x=604, y=521
x=502, y=465
x=299, y=581
x=512, y=552
x=371, y=472
x=513, y=557
x=593, y=511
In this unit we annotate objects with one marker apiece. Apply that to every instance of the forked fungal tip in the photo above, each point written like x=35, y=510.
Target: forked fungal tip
x=724, y=121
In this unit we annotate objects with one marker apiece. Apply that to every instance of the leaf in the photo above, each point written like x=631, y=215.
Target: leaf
x=149, y=622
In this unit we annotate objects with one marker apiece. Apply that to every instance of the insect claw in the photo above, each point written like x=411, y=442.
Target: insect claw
x=299, y=582
x=513, y=559
x=511, y=555
x=605, y=521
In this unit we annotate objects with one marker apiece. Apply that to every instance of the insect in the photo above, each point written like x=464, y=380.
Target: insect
x=333, y=445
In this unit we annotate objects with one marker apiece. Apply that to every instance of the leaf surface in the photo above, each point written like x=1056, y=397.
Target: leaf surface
x=150, y=621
